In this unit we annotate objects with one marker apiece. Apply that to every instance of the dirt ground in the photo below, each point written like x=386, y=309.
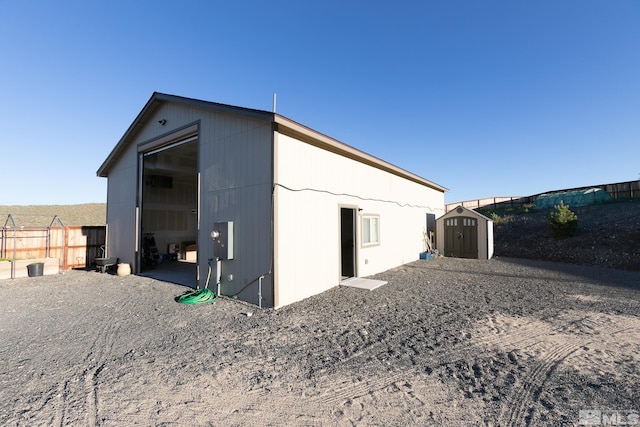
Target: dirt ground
x=505, y=342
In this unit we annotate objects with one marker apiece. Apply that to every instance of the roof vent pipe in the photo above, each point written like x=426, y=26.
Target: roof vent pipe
x=274, y=102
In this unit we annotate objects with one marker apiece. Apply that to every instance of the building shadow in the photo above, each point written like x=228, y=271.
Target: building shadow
x=178, y=272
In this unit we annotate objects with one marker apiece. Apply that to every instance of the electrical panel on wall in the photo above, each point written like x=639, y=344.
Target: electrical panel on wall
x=222, y=236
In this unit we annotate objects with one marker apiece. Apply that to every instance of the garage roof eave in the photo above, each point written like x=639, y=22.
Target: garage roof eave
x=151, y=105
x=158, y=99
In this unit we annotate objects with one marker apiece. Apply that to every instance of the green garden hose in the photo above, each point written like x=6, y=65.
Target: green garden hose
x=199, y=296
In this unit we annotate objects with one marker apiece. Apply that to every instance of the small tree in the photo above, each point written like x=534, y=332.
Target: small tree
x=563, y=221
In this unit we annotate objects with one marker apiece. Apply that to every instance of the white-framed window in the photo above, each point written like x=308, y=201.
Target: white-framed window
x=370, y=230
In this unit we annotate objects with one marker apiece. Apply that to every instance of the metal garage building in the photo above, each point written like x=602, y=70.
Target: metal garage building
x=464, y=233
x=302, y=212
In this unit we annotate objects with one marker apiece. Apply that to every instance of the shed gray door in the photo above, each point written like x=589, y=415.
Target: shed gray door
x=461, y=237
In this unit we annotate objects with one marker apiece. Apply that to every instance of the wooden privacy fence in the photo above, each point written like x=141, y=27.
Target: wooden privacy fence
x=623, y=190
x=510, y=201
x=618, y=191
x=74, y=246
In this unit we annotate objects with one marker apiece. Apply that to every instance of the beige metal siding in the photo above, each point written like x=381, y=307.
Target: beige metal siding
x=236, y=178
x=235, y=173
x=315, y=176
x=121, y=207
x=312, y=184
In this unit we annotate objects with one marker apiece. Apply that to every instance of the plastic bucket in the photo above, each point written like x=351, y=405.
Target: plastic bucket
x=123, y=270
x=35, y=269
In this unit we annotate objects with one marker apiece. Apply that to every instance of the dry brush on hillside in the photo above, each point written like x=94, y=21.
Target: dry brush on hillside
x=608, y=235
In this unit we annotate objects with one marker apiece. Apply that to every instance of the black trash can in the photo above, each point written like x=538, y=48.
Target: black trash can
x=35, y=269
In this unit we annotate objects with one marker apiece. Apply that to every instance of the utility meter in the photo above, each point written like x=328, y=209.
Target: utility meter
x=222, y=236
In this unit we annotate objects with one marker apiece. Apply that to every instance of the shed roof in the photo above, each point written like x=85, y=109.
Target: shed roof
x=461, y=210
x=281, y=124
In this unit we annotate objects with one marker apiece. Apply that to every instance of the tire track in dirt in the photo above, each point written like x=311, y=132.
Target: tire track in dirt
x=500, y=333
x=263, y=390
x=60, y=404
x=40, y=406
x=95, y=359
x=348, y=390
x=519, y=407
x=507, y=334
x=519, y=404
x=325, y=394
x=607, y=325
x=78, y=400
x=341, y=390
x=525, y=335
x=91, y=388
x=354, y=401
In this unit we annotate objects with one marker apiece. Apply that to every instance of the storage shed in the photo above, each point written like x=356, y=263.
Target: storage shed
x=289, y=212
x=464, y=233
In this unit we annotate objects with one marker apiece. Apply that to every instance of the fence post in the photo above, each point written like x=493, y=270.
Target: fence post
x=65, y=245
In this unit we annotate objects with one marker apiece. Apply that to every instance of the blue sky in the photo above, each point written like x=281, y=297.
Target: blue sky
x=487, y=98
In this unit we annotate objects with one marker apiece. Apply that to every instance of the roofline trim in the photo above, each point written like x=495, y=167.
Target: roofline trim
x=453, y=212
x=155, y=101
x=281, y=124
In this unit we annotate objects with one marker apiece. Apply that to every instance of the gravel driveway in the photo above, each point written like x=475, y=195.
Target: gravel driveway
x=446, y=342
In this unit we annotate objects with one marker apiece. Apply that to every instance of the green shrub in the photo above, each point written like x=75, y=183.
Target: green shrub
x=496, y=217
x=563, y=221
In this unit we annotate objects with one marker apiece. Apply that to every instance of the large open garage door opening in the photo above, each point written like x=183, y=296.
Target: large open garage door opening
x=168, y=237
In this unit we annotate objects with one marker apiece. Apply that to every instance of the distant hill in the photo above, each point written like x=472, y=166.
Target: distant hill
x=42, y=215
